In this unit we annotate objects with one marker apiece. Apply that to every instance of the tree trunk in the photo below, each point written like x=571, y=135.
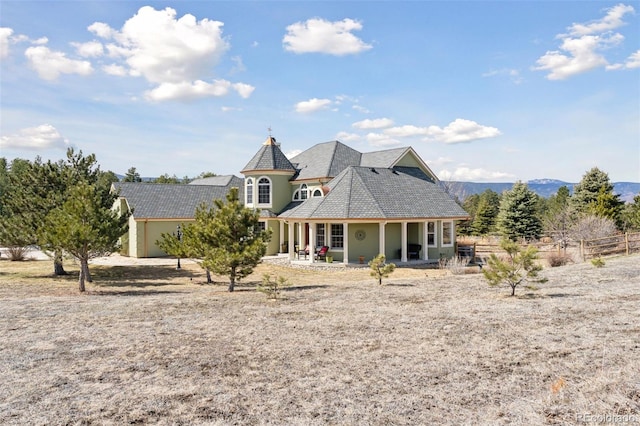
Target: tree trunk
x=84, y=267
x=232, y=279
x=58, y=269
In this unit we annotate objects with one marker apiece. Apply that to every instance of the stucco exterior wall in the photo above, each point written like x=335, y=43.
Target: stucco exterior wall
x=367, y=247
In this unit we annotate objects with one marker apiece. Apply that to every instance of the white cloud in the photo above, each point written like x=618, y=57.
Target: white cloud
x=244, y=90
x=408, y=130
x=513, y=74
x=90, y=49
x=440, y=161
x=461, y=130
x=312, y=105
x=377, y=123
x=361, y=109
x=5, y=33
x=581, y=49
x=185, y=91
x=41, y=137
x=379, y=139
x=293, y=153
x=176, y=54
x=611, y=21
x=633, y=61
x=319, y=36
x=50, y=64
x=474, y=175
x=115, y=69
x=347, y=137
x=458, y=131
x=164, y=49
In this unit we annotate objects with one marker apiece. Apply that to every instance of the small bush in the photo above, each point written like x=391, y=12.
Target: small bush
x=557, y=259
x=272, y=287
x=17, y=253
x=380, y=269
x=457, y=265
x=597, y=262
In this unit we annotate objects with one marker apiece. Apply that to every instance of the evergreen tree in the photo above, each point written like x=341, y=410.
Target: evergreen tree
x=226, y=238
x=518, y=215
x=132, y=176
x=607, y=204
x=36, y=188
x=631, y=215
x=519, y=265
x=165, y=178
x=486, y=213
x=559, y=217
x=86, y=226
x=586, y=191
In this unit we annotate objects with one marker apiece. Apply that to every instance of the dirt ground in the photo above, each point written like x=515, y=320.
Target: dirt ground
x=149, y=344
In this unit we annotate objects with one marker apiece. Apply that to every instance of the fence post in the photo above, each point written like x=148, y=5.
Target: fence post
x=582, y=250
x=626, y=242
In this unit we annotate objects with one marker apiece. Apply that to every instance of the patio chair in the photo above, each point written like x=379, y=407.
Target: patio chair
x=322, y=253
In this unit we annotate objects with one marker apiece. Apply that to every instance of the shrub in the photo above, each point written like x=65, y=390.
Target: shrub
x=17, y=253
x=380, y=269
x=457, y=265
x=272, y=287
x=597, y=262
x=558, y=259
x=519, y=265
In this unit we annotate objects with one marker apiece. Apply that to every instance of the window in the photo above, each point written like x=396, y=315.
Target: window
x=317, y=193
x=262, y=226
x=264, y=191
x=304, y=192
x=447, y=234
x=249, y=191
x=296, y=195
x=320, y=235
x=431, y=234
x=337, y=236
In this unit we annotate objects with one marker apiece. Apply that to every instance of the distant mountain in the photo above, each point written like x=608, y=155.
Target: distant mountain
x=543, y=187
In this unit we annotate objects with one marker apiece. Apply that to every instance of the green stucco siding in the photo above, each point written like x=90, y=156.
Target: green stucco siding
x=367, y=247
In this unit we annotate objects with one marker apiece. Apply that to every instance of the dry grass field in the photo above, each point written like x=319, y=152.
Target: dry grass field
x=152, y=345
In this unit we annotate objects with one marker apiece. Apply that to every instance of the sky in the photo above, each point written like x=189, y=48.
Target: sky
x=484, y=91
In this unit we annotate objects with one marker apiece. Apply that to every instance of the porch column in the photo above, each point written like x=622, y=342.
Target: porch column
x=291, y=248
x=345, y=240
x=312, y=244
x=381, y=238
x=403, y=255
x=281, y=241
x=425, y=240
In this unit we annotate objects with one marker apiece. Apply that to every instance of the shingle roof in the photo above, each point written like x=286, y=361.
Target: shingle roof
x=386, y=158
x=169, y=201
x=223, y=180
x=269, y=157
x=379, y=193
x=324, y=160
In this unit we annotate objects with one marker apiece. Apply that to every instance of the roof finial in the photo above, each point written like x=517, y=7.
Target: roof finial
x=269, y=129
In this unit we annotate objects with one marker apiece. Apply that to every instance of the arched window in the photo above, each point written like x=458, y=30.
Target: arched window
x=304, y=192
x=317, y=193
x=264, y=191
x=249, y=191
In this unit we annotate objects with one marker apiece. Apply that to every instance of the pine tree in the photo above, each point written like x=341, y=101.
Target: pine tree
x=486, y=213
x=226, y=239
x=86, y=226
x=518, y=215
x=631, y=215
x=519, y=265
x=132, y=176
x=586, y=191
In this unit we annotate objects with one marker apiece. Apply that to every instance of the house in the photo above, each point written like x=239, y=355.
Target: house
x=357, y=204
